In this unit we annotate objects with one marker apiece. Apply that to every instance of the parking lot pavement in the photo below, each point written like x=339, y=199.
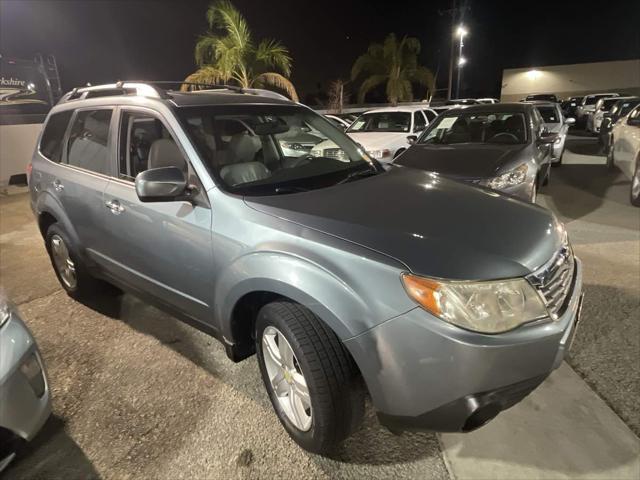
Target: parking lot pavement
x=138, y=394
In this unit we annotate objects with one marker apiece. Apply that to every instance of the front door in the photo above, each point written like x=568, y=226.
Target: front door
x=163, y=248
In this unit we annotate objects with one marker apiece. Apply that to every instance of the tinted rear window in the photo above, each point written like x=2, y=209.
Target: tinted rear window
x=53, y=135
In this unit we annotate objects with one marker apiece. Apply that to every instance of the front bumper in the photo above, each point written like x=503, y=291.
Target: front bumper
x=25, y=402
x=425, y=374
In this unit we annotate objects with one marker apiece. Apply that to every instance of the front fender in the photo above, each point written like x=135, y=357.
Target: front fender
x=298, y=279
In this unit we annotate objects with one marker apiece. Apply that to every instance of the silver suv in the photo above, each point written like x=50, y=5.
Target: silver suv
x=445, y=303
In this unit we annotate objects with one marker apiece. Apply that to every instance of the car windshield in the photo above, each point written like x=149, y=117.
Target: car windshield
x=621, y=108
x=477, y=127
x=608, y=103
x=544, y=97
x=593, y=99
x=272, y=149
x=549, y=114
x=382, y=122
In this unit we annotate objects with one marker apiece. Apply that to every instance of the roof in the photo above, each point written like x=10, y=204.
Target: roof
x=224, y=97
x=496, y=108
x=406, y=108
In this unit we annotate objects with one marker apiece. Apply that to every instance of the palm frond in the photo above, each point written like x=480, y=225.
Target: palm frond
x=206, y=75
x=276, y=80
x=273, y=54
x=205, y=51
x=223, y=15
x=369, y=84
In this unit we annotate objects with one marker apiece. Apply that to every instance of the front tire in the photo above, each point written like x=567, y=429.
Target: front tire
x=610, y=158
x=313, y=383
x=635, y=185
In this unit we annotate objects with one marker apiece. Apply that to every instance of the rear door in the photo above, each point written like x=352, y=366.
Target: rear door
x=164, y=248
x=85, y=166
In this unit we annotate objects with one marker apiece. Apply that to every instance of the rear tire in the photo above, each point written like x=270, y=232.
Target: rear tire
x=610, y=158
x=335, y=393
x=72, y=274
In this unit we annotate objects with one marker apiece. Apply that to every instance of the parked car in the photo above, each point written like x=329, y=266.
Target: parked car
x=541, y=97
x=487, y=100
x=387, y=132
x=588, y=105
x=624, y=150
x=555, y=123
x=347, y=117
x=505, y=147
x=570, y=105
x=462, y=101
x=25, y=399
x=602, y=106
x=620, y=109
x=341, y=123
x=316, y=264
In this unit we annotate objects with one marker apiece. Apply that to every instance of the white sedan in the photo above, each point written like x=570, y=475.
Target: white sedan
x=624, y=150
x=387, y=132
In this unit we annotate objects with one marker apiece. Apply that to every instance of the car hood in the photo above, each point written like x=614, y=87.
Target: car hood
x=434, y=226
x=379, y=140
x=462, y=160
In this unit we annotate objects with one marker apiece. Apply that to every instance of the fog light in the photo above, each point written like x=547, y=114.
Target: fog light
x=32, y=370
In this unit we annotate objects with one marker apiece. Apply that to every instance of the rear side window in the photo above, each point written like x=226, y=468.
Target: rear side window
x=53, y=135
x=88, y=141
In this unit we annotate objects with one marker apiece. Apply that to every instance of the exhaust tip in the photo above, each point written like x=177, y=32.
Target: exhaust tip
x=481, y=416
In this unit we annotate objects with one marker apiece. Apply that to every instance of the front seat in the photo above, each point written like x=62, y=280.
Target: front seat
x=165, y=153
x=459, y=132
x=243, y=147
x=246, y=172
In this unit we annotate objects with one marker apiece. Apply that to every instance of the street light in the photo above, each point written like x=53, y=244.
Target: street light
x=461, y=32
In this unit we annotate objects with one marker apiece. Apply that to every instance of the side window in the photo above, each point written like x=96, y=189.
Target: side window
x=53, y=135
x=536, y=122
x=430, y=115
x=88, y=147
x=146, y=143
x=419, y=122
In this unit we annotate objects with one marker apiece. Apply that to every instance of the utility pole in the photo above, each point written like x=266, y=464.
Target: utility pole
x=456, y=13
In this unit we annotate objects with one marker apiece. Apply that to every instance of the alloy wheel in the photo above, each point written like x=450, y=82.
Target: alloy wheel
x=63, y=263
x=286, y=378
x=635, y=185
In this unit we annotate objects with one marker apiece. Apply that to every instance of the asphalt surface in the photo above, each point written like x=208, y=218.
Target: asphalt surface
x=137, y=393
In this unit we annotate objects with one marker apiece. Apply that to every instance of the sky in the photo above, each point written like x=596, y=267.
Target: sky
x=102, y=41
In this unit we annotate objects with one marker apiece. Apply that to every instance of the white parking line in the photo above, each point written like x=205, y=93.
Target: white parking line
x=562, y=430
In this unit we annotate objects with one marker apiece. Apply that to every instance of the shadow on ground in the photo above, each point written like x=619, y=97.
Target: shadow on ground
x=52, y=454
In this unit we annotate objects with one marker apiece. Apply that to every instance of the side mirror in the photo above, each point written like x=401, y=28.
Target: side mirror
x=412, y=139
x=570, y=121
x=165, y=184
x=547, y=138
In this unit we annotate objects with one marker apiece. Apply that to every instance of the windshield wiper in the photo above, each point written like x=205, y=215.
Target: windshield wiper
x=358, y=174
x=290, y=189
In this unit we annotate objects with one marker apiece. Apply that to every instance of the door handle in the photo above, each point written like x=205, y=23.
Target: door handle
x=57, y=185
x=115, y=207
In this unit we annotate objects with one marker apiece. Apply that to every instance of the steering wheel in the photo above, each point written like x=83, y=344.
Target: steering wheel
x=504, y=135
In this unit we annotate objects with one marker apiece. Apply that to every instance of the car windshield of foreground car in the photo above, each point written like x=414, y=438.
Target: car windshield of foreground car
x=382, y=122
x=266, y=150
x=494, y=127
x=622, y=107
x=549, y=114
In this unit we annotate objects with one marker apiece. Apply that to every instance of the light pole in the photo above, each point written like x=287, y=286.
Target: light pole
x=460, y=32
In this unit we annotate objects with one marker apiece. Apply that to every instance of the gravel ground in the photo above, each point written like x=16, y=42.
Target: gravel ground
x=138, y=394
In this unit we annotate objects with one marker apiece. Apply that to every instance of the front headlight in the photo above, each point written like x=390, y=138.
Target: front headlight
x=378, y=154
x=485, y=307
x=509, y=179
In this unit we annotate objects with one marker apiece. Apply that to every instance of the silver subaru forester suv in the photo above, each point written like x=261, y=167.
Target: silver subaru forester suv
x=445, y=303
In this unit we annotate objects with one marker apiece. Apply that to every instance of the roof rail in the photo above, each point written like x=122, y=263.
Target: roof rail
x=152, y=89
x=118, y=88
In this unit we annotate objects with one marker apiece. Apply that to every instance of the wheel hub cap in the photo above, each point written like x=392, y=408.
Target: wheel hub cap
x=286, y=378
x=63, y=263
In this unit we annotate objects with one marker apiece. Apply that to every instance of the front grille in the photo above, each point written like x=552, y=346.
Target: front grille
x=555, y=280
x=336, y=153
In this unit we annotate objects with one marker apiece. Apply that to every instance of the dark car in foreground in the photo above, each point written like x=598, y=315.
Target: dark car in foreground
x=318, y=264
x=504, y=146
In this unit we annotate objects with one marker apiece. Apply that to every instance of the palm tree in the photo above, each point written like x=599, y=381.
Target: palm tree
x=394, y=63
x=227, y=54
